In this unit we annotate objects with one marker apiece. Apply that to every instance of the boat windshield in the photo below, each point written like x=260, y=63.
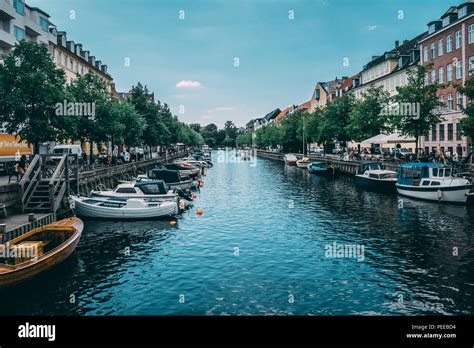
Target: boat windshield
x=388, y=176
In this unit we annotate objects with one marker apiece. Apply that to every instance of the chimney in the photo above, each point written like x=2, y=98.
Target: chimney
x=397, y=43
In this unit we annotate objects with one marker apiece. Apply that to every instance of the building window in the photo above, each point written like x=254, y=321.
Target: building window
x=450, y=102
x=458, y=39
x=450, y=131
x=440, y=47
x=433, y=52
x=441, y=75
x=449, y=43
x=441, y=103
x=19, y=33
x=458, y=131
x=44, y=24
x=433, y=76
x=19, y=6
x=431, y=29
x=445, y=21
x=427, y=79
x=471, y=34
x=459, y=69
x=433, y=133
x=462, y=12
x=425, y=54
x=459, y=101
x=441, y=132
x=449, y=72
x=471, y=65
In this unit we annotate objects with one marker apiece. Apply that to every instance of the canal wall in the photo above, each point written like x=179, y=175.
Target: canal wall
x=347, y=167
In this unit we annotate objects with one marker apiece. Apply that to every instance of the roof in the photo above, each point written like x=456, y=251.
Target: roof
x=422, y=164
x=347, y=83
x=388, y=139
x=305, y=105
x=271, y=115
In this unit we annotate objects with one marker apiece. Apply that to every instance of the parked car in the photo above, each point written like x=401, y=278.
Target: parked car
x=316, y=150
x=403, y=153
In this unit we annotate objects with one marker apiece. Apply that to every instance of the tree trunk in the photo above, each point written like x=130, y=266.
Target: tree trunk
x=416, y=146
x=36, y=147
x=91, y=151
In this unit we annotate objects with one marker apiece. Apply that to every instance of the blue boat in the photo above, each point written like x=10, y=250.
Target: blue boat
x=432, y=182
x=321, y=168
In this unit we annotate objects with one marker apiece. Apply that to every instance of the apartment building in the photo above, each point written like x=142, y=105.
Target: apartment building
x=325, y=92
x=389, y=70
x=449, y=47
x=18, y=21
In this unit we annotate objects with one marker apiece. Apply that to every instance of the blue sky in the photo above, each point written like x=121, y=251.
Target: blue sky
x=280, y=59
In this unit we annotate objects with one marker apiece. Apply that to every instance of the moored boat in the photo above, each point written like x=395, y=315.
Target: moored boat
x=38, y=250
x=432, y=182
x=121, y=208
x=156, y=189
x=321, y=168
x=290, y=159
x=373, y=175
x=173, y=178
x=303, y=163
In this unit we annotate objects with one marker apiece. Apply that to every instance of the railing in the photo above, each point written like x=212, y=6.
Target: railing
x=29, y=180
x=59, y=183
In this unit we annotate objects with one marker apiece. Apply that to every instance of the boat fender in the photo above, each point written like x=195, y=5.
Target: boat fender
x=440, y=195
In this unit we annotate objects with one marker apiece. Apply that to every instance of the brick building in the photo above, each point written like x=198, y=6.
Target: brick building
x=449, y=47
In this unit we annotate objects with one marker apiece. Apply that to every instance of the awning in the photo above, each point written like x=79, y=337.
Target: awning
x=394, y=138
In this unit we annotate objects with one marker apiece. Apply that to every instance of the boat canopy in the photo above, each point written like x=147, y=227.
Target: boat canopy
x=167, y=175
x=393, y=138
x=412, y=173
x=152, y=187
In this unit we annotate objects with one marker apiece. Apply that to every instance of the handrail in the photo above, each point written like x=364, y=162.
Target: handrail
x=29, y=170
x=30, y=182
x=54, y=183
x=58, y=169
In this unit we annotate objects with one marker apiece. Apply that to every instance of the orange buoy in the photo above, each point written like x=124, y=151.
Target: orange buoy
x=201, y=184
x=199, y=211
x=194, y=196
x=173, y=222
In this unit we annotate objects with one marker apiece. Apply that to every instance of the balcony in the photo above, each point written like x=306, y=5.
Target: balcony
x=32, y=28
x=6, y=40
x=7, y=11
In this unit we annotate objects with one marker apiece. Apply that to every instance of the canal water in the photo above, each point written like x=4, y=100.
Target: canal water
x=261, y=248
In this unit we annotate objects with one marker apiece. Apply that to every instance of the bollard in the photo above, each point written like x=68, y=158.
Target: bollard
x=3, y=229
x=31, y=217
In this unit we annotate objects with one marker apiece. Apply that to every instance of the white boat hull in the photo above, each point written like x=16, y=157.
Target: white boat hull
x=456, y=194
x=111, y=194
x=162, y=209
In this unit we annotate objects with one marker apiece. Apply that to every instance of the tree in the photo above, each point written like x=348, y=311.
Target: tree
x=421, y=97
x=156, y=133
x=467, y=123
x=91, y=89
x=30, y=88
x=367, y=118
x=132, y=124
x=335, y=120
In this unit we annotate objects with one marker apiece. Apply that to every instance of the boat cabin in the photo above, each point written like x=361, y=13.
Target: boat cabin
x=423, y=174
x=167, y=175
x=151, y=187
x=363, y=167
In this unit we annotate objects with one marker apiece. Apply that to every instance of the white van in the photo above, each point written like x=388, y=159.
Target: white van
x=60, y=150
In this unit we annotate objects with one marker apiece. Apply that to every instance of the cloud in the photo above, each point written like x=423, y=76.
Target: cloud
x=371, y=27
x=188, y=84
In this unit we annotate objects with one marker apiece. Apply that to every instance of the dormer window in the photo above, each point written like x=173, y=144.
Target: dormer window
x=462, y=12
x=431, y=29
x=445, y=21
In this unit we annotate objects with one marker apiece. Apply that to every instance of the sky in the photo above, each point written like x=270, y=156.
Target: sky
x=219, y=60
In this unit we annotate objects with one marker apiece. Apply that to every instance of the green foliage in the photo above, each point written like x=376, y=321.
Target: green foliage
x=423, y=95
x=30, y=87
x=467, y=123
x=366, y=118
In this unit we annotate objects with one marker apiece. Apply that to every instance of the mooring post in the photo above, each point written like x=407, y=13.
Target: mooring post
x=31, y=217
x=3, y=230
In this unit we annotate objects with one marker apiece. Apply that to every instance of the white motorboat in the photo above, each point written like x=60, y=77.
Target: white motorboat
x=290, y=159
x=126, y=209
x=373, y=175
x=432, y=182
x=303, y=163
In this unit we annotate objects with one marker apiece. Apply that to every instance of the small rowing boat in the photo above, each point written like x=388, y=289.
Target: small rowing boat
x=38, y=250
x=290, y=159
x=303, y=163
